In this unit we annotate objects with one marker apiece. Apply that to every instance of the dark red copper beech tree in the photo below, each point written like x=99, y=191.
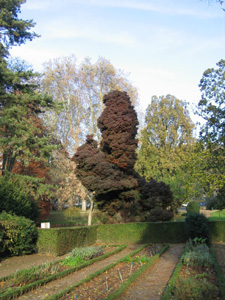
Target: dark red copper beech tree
x=108, y=170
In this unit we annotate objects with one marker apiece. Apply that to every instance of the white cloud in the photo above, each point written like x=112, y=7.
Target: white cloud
x=73, y=32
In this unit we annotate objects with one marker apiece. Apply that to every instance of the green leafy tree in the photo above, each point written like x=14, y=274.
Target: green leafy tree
x=23, y=138
x=166, y=142
x=80, y=87
x=210, y=159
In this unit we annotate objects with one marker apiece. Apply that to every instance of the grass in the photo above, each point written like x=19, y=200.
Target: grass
x=58, y=217
x=218, y=216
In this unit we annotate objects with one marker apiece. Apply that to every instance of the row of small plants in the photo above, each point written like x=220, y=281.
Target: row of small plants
x=111, y=281
x=28, y=279
x=197, y=275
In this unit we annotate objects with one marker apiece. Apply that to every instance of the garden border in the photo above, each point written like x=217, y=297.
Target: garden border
x=24, y=289
x=173, y=278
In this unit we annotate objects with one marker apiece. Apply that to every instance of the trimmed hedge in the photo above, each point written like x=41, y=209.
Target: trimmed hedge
x=139, y=233
x=58, y=241
x=217, y=231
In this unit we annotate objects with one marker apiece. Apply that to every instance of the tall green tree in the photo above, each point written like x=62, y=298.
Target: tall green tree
x=166, y=142
x=211, y=108
x=13, y=31
x=23, y=138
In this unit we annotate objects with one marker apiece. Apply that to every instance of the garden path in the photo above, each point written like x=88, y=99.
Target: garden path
x=151, y=284
x=60, y=284
x=16, y=263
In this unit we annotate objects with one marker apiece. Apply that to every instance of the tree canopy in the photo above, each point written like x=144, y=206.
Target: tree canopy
x=166, y=141
x=108, y=170
x=80, y=87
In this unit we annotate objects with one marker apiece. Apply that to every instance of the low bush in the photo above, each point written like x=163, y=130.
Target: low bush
x=198, y=255
x=88, y=252
x=193, y=208
x=197, y=227
x=20, y=234
x=71, y=213
x=193, y=288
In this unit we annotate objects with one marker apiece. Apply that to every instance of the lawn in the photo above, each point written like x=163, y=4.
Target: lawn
x=218, y=216
x=59, y=217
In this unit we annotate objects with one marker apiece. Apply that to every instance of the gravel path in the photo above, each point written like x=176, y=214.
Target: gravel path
x=152, y=283
x=13, y=264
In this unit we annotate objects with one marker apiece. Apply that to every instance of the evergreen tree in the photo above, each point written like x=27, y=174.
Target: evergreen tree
x=23, y=138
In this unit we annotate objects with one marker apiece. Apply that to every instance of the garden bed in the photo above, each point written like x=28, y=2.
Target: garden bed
x=111, y=281
x=27, y=279
x=196, y=276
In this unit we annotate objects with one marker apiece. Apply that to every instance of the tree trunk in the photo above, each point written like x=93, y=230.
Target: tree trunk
x=84, y=204
x=90, y=213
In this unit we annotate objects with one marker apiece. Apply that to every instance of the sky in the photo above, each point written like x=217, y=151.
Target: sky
x=164, y=45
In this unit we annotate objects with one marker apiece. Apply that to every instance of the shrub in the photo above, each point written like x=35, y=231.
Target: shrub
x=159, y=214
x=87, y=252
x=198, y=256
x=193, y=207
x=2, y=240
x=20, y=234
x=193, y=288
x=197, y=227
x=14, y=200
x=71, y=213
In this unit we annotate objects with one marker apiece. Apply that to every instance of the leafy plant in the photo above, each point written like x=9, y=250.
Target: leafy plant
x=138, y=259
x=20, y=234
x=13, y=199
x=72, y=261
x=197, y=253
x=71, y=213
x=193, y=207
x=79, y=255
x=199, y=256
x=87, y=252
x=197, y=227
x=193, y=288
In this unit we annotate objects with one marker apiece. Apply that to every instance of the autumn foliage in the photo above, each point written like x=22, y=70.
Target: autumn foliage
x=108, y=170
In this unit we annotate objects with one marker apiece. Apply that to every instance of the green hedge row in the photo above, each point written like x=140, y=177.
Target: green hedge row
x=217, y=231
x=139, y=233
x=59, y=241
